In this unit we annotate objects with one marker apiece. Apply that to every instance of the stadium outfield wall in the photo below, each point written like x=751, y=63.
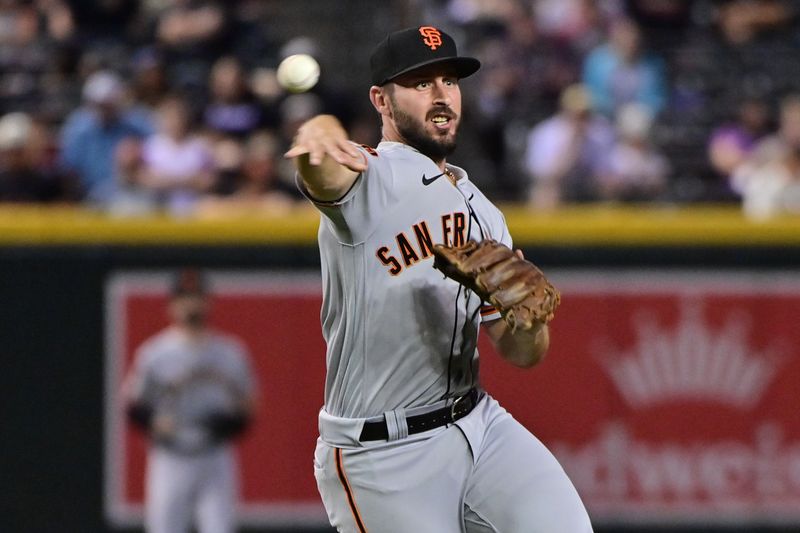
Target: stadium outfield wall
x=705, y=444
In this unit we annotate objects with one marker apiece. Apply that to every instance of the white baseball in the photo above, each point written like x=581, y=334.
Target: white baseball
x=298, y=73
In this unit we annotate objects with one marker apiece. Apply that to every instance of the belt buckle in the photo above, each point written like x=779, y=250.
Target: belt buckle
x=454, y=406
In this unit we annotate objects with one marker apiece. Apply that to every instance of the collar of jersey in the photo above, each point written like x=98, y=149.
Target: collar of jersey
x=459, y=172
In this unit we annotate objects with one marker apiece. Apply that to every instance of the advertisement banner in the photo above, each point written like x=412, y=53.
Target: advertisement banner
x=668, y=397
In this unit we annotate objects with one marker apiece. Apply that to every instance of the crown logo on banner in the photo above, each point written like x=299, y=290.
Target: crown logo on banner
x=691, y=361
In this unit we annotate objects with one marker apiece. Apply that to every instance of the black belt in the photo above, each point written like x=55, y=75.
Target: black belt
x=460, y=408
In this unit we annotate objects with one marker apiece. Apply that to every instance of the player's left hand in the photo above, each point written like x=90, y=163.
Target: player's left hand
x=515, y=286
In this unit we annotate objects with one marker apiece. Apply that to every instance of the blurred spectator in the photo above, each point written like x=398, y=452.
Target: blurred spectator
x=233, y=110
x=524, y=70
x=26, y=47
x=568, y=153
x=620, y=72
x=91, y=133
x=769, y=180
x=128, y=197
x=749, y=49
x=479, y=11
x=60, y=85
x=108, y=22
x=740, y=21
x=637, y=171
x=296, y=109
x=732, y=143
x=148, y=79
x=192, y=33
x=260, y=177
x=523, y=74
x=254, y=33
x=256, y=185
x=579, y=22
x=663, y=21
x=177, y=163
x=22, y=176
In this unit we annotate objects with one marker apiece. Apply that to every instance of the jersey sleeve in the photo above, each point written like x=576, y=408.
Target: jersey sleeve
x=242, y=372
x=140, y=386
x=354, y=216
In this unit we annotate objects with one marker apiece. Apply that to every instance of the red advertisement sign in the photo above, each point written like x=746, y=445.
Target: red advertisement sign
x=277, y=317
x=667, y=397
x=670, y=398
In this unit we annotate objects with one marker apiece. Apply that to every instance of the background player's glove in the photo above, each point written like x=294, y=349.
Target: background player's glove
x=516, y=287
x=224, y=426
x=140, y=414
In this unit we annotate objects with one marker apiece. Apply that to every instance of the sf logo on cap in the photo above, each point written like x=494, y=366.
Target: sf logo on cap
x=432, y=37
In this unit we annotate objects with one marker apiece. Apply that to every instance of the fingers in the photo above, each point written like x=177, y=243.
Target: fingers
x=323, y=136
x=340, y=150
x=345, y=153
x=295, y=151
x=519, y=253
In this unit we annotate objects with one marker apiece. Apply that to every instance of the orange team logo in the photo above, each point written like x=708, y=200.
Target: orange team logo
x=432, y=37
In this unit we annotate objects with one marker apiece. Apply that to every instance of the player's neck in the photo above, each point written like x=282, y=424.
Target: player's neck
x=439, y=162
x=191, y=332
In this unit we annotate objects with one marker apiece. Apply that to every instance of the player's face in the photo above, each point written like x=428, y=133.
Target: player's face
x=189, y=310
x=425, y=108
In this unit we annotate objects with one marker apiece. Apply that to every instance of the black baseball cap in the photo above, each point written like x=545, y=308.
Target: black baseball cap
x=409, y=49
x=189, y=281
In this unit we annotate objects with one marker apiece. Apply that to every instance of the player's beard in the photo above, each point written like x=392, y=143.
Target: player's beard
x=415, y=135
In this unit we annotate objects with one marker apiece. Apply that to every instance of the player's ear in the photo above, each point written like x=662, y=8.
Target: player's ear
x=380, y=100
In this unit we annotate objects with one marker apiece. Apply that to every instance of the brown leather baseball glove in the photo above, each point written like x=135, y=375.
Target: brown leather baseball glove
x=516, y=287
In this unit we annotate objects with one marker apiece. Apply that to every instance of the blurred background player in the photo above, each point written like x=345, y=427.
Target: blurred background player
x=192, y=390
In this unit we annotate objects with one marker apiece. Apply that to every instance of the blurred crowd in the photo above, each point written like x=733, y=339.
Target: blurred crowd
x=142, y=106
x=137, y=107
x=636, y=100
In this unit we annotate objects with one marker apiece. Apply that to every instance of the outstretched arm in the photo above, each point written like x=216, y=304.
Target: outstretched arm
x=327, y=161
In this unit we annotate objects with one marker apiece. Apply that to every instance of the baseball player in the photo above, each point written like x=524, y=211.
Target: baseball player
x=191, y=389
x=408, y=439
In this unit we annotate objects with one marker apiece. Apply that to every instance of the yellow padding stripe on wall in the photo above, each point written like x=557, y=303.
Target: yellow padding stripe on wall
x=590, y=225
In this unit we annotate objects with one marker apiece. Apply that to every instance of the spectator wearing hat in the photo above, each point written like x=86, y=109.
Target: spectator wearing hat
x=92, y=132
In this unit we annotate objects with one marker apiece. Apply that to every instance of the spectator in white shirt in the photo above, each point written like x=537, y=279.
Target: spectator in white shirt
x=769, y=180
x=637, y=171
x=177, y=163
x=567, y=153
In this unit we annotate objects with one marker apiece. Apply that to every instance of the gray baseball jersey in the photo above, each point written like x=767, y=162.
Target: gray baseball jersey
x=399, y=334
x=191, y=476
x=191, y=379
